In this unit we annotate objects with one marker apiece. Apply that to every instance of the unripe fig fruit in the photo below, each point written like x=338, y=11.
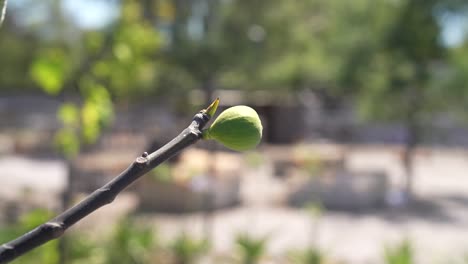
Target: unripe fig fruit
x=238, y=128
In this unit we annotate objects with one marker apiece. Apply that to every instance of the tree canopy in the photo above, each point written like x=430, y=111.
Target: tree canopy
x=369, y=50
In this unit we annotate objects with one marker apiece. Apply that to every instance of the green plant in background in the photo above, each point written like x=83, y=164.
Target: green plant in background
x=254, y=159
x=129, y=243
x=251, y=249
x=109, y=66
x=308, y=256
x=162, y=173
x=46, y=254
x=187, y=250
x=400, y=254
x=79, y=251
x=106, y=66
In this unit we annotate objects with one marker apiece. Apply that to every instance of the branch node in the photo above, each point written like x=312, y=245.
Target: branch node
x=141, y=160
x=54, y=228
x=109, y=198
x=201, y=117
x=196, y=132
x=144, y=155
x=7, y=252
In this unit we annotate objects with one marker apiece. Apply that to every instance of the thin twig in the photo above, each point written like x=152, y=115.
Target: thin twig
x=106, y=194
x=3, y=7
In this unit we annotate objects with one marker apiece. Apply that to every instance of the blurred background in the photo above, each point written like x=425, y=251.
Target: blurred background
x=364, y=156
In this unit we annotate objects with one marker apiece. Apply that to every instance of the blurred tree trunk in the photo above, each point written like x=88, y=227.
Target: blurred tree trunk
x=408, y=157
x=66, y=200
x=413, y=126
x=149, y=10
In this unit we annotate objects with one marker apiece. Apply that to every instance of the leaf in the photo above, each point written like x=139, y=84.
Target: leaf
x=49, y=71
x=187, y=249
x=67, y=142
x=100, y=97
x=90, y=118
x=68, y=114
x=401, y=254
x=251, y=248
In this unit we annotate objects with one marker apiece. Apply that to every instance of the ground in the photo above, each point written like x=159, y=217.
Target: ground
x=437, y=222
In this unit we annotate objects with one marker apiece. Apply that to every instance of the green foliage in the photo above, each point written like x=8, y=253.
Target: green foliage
x=67, y=142
x=80, y=249
x=312, y=44
x=50, y=70
x=66, y=139
x=305, y=44
x=45, y=254
x=129, y=243
x=187, y=250
x=16, y=53
x=96, y=112
x=450, y=84
x=162, y=173
x=308, y=256
x=400, y=254
x=83, y=124
x=251, y=249
x=393, y=80
x=129, y=70
x=68, y=114
x=115, y=64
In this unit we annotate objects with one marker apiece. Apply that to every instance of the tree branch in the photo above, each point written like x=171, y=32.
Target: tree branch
x=3, y=7
x=106, y=194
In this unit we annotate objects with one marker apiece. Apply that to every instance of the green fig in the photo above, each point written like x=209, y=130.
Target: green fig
x=238, y=128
